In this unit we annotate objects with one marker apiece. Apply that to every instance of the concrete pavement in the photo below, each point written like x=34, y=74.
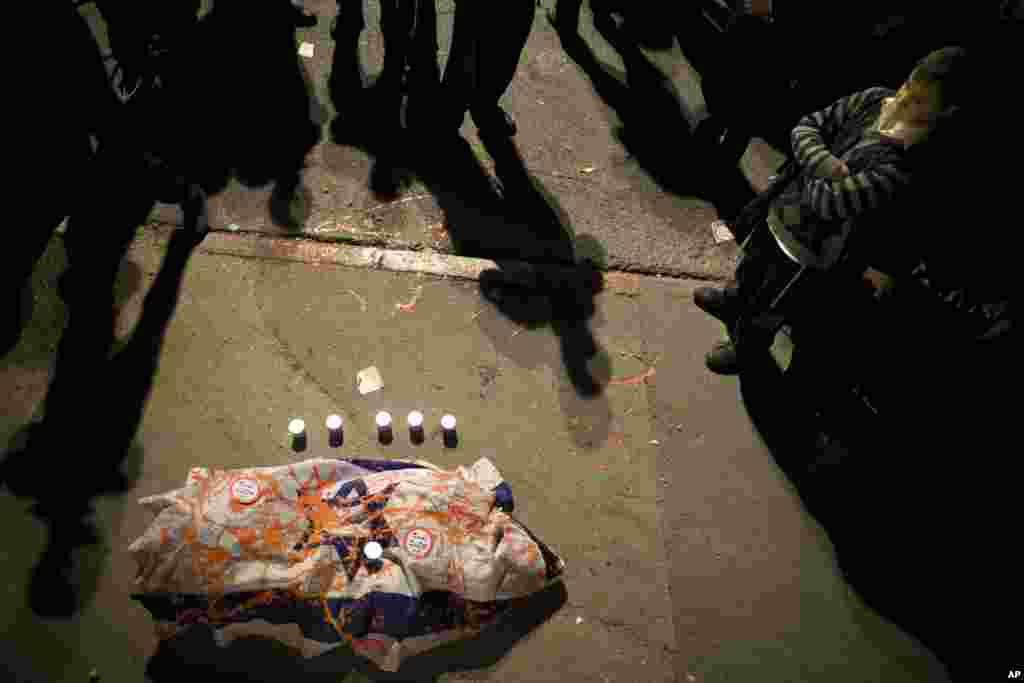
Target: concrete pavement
x=590, y=131
x=689, y=555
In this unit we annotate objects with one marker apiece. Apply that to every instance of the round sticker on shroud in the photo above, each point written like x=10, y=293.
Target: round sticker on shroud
x=419, y=542
x=245, y=491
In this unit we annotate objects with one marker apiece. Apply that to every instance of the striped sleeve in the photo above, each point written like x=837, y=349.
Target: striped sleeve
x=863, y=191
x=813, y=135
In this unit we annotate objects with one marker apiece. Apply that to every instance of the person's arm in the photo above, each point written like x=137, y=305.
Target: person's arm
x=853, y=195
x=814, y=134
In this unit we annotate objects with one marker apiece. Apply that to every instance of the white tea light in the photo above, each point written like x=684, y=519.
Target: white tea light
x=334, y=422
x=448, y=422
x=383, y=420
x=296, y=427
x=373, y=550
x=415, y=419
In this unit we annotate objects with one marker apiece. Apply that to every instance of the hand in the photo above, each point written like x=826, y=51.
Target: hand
x=755, y=8
x=832, y=169
x=841, y=170
x=880, y=282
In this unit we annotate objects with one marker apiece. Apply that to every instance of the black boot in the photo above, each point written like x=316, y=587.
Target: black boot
x=722, y=303
x=723, y=359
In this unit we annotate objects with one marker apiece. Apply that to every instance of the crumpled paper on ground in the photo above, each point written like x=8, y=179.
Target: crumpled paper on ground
x=277, y=552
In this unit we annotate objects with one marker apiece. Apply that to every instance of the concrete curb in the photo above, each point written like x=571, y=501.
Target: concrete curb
x=305, y=250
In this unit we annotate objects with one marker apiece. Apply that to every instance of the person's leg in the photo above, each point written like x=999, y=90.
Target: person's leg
x=98, y=235
x=396, y=24
x=460, y=69
x=761, y=275
x=51, y=203
x=424, y=77
x=18, y=262
x=504, y=36
x=566, y=17
x=424, y=72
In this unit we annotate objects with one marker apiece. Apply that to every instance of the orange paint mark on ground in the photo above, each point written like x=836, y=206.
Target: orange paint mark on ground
x=635, y=379
x=412, y=304
x=622, y=282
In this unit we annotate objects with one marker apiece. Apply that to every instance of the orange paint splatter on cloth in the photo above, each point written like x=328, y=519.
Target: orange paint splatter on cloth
x=245, y=535
x=273, y=538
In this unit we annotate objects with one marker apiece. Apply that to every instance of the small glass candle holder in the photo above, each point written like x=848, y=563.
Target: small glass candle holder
x=384, y=433
x=335, y=435
x=297, y=429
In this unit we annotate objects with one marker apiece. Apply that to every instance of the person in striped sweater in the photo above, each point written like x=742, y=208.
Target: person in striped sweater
x=854, y=160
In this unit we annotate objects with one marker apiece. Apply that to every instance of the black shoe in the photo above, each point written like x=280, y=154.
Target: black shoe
x=720, y=303
x=723, y=359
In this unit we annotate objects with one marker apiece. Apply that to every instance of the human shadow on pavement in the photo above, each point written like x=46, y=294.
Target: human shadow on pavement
x=194, y=653
x=564, y=300
x=654, y=130
x=45, y=466
x=889, y=492
x=252, y=105
x=370, y=112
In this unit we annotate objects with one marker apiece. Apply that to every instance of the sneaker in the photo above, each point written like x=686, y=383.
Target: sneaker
x=717, y=302
x=723, y=359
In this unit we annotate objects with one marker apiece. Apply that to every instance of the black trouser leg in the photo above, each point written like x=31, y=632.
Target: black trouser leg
x=460, y=72
x=126, y=31
x=763, y=272
x=488, y=41
x=28, y=242
x=424, y=72
x=396, y=24
x=98, y=236
x=498, y=57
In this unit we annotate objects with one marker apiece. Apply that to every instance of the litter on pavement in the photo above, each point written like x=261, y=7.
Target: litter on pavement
x=369, y=380
x=306, y=50
x=327, y=552
x=362, y=301
x=721, y=232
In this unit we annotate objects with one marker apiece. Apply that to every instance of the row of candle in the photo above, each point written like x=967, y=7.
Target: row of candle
x=297, y=428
